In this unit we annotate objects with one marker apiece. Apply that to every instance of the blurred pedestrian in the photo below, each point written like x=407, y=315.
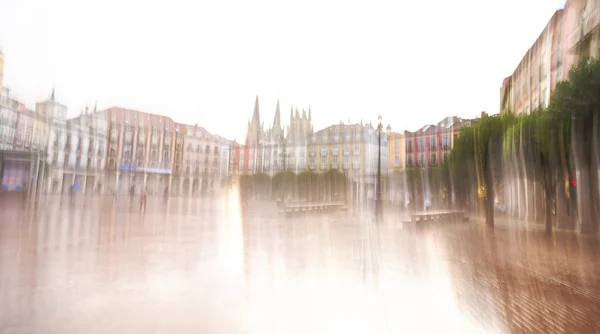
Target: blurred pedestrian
x=131, y=195
x=143, y=201
x=72, y=194
x=427, y=204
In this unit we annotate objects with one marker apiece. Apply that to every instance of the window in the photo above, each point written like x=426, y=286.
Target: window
x=409, y=162
x=421, y=144
x=421, y=159
x=433, y=143
x=446, y=156
x=396, y=161
x=323, y=164
x=445, y=142
x=433, y=159
x=410, y=146
x=126, y=157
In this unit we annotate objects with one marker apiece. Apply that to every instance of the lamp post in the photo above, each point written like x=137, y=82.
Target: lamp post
x=378, y=198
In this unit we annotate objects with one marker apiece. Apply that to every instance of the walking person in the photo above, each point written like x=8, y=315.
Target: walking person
x=131, y=195
x=143, y=201
x=166, y=195
x=72, y=194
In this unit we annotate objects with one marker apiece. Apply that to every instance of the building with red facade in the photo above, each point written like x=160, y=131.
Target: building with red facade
x=431, y=145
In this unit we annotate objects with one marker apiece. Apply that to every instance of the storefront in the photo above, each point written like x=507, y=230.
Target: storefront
x=19, y=172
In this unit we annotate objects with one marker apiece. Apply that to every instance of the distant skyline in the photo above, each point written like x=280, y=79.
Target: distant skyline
x=205, y=62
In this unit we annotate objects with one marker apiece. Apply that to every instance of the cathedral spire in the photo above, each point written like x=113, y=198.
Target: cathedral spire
x=52, y=95
x=277, y=119
x=256, y=114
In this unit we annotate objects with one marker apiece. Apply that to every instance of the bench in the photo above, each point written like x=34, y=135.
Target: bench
x=438, y=215
x=304, y=207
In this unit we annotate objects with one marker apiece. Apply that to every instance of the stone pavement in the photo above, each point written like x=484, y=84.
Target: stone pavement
x=212, y=266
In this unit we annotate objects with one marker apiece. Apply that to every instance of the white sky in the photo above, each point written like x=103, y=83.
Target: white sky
x=204, y=62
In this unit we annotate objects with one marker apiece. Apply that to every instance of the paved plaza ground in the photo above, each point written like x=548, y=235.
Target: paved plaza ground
x=213, y=266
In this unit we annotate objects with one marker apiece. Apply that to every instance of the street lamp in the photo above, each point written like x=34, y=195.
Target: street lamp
x=378, y=198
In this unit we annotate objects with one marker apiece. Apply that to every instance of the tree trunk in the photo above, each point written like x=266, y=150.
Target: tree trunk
x=564, y=215
x=595, y=172
x=548, y=218
x=489, y=187
x=584, y=214
x=526, y=181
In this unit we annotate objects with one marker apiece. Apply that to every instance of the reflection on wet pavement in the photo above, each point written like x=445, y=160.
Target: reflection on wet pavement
x=211, y=266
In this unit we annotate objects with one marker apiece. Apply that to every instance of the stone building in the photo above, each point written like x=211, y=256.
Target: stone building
x=270, y=150
x=85, y=158
x=140, y=151
x=202, y=161
x=352, y=149
x=571, y=34
x=54, y=116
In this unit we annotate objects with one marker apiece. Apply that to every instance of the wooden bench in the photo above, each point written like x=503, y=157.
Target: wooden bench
x=438, y=215
x=305, y=207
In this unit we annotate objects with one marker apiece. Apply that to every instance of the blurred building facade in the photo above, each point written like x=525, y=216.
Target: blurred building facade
x=351, y=149
x=397, y=151
x=270, y=151
x=431, y=145
x=203, y=159
x=84, y=154
x=9, y=112
x=53, y=114
x=571, y=34
x=1, y=70
x=396, y=166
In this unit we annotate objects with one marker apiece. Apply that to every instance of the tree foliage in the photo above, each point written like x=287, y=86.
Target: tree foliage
x=544, y=147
